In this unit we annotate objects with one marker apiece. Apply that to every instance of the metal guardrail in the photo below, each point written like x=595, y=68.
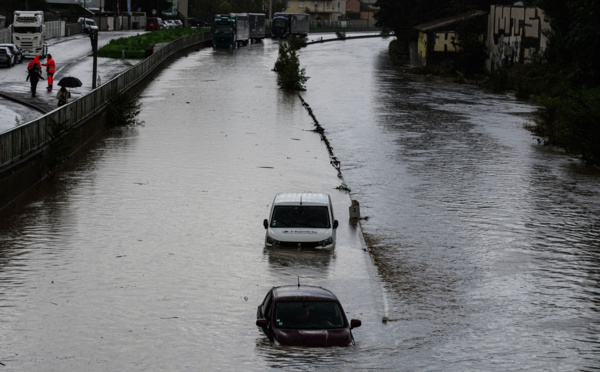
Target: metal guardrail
x=21, y=141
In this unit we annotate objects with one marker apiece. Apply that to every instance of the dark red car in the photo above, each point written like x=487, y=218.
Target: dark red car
x=304, y=316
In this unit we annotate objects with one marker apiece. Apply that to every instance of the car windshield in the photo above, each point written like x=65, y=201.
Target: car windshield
x=308, y=315
x=223, y=30
x=300, y=216
x=279, y=23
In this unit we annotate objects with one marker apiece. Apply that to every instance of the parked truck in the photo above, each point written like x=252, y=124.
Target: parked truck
x=223, y=31
x=230, y=30
x=29, y=33
x=257, y=27
x=290, y=24
x=242, y=23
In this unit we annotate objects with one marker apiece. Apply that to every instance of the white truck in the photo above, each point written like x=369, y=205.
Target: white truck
x=29, y=33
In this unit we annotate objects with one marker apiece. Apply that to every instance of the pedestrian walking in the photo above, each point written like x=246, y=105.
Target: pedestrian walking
x=34, y=74
x=63, y=96
x=50, y=66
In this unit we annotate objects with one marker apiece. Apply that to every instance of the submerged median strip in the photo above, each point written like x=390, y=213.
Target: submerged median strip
x=332, y=158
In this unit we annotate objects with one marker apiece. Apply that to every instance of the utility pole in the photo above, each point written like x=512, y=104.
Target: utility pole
x=94, y=40
x=270, y=10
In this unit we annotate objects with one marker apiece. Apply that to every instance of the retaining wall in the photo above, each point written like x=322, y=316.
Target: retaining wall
x=22, y=150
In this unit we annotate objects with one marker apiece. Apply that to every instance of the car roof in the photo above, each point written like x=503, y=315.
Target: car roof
x=303, y=293
x=301, y=198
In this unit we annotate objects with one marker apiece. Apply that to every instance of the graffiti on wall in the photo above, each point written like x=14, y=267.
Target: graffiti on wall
x=446, y=42
x=515, y=34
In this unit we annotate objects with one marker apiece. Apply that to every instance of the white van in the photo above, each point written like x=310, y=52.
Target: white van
x=303, y=220
x=87, y=24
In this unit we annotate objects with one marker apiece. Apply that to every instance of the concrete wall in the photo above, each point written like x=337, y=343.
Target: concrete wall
x=515, y=34
x=24, y=155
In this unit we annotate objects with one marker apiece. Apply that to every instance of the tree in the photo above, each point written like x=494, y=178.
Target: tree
x=289, y=74
x=574, y=39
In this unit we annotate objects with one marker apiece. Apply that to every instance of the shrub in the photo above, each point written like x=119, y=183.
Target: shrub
x=122, y=111
x=571, y=122
x=289, y=74
x=135, y=47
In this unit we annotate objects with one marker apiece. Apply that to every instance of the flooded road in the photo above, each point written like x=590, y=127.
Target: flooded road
x=148, y=253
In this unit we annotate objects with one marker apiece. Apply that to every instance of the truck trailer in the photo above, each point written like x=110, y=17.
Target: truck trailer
x=242, y=33
x=230, y=30
x=290, y=24
x=29, y=33
x=257, y=27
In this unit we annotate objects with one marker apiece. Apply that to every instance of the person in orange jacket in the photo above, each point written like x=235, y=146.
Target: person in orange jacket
x=34, y=73
x=50, y=66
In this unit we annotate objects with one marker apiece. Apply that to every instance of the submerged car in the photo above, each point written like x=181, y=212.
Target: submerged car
x=302, y=220
x=304, y=316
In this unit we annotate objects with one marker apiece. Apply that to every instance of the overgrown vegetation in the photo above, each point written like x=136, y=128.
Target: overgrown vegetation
x=564, y=80
x=60, y=144
x=290, y=76
x=135, y=46
x=122, y=111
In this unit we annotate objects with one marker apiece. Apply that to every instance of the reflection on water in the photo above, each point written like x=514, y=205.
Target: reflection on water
x=312, y=263
x=486, y=240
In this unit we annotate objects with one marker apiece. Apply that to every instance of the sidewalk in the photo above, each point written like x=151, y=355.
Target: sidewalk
x=43, y=102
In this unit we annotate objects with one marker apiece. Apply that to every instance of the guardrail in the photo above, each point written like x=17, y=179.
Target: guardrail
x=26, y=139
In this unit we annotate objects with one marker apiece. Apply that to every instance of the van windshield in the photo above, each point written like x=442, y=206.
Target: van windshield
x=301, y=216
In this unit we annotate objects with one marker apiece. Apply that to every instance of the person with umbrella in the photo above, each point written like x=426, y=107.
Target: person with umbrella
x=63, y=96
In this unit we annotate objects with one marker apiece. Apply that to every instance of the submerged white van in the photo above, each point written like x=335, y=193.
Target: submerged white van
x=301, y=219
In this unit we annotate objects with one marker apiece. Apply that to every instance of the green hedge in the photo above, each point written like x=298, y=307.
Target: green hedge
x=135, y=46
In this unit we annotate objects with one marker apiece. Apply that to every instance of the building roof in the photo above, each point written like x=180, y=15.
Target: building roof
x=450, y=20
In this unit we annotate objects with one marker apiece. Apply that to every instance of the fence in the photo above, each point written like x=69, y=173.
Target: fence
x=19, y=142
x=350, y=24
x=5, y=36
x=55, y=29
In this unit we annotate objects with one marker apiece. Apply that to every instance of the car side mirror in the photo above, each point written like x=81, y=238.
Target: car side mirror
x=335, y=224
x=354, y=323
x=266, y=223
x=263, y=322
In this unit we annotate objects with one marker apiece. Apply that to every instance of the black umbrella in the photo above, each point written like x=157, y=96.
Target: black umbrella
x=70, y=82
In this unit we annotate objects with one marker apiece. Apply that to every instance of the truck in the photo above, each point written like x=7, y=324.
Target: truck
x=290, y=24
x=223, y=31
x=230, y=30
x=257, y=27
x=242, y=24
x=29, y=33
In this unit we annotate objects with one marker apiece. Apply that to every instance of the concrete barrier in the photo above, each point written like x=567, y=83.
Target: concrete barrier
x=23, y=160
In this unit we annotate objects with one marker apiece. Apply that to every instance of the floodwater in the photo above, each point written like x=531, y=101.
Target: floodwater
x=480, y=247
